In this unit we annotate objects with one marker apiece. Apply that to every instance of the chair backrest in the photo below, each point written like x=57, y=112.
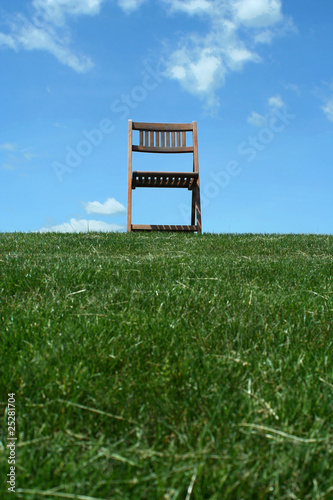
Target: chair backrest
x=163, y=137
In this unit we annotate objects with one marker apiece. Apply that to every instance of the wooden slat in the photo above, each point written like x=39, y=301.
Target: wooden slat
x=163, y=139
x=186, y=180
x=184, y=139
x=173, y=144
x=146, y=138
x=151, y=143
x=167, y=139
x=162, y=149
x=178, y=139
x=192, y=183
x=152, y=227
x=163, y=126
x=157, y=139
x=155, y=172
x=141, y=137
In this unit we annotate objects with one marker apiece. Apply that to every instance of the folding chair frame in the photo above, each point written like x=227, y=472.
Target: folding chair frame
x=164, y=138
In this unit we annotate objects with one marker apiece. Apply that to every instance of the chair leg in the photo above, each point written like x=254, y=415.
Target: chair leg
x=129, y=209
x=193, y=207
x=129, y=182
x=198, y=209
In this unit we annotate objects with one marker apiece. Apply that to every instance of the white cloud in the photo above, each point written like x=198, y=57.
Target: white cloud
x=255, y=13
x=265, y=36
x=201, y=63
x=29, y=37
x=190, y=6
x=130, y=5
x=110, y=207
x=55, y=11
x=258, y=13
x=47, y=30
x=7, y=40
x=328, y=109
x=82, y=226
x=204, y=70
x=197, y=70
x=237, y=56
x=178, y=72
x=257, y=120
x=276, y=102
x=293, y=87
x=8, y=146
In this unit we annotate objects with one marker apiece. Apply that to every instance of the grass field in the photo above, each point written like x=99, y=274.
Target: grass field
x=168, y=366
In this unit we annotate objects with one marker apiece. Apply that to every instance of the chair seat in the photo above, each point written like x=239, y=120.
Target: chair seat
x=165, y=179
x=152, y=227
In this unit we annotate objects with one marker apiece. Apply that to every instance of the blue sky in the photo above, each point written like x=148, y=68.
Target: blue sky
x=256, y=75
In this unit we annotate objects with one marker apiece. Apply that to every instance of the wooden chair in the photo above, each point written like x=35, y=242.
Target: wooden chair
x=164, y=138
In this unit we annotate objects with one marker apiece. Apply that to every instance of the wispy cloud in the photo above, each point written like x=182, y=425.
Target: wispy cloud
x=30, y=156
x=16, y=153
x=264, y=37
x=110, y=207
x=324, y=93
x=257, y=120
x=328, y=109
x=190, y=6
x=293, y=87
x=47, y=30
x=273, y=103
x=59, y=125
x=56, y=11
x=8, y=146
x=130, y=5
x=8, y=166
x=82, y=226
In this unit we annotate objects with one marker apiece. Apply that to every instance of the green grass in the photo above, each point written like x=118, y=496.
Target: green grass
x=168, y=366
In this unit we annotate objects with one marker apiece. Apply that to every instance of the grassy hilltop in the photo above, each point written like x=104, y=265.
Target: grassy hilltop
x=168, y=366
